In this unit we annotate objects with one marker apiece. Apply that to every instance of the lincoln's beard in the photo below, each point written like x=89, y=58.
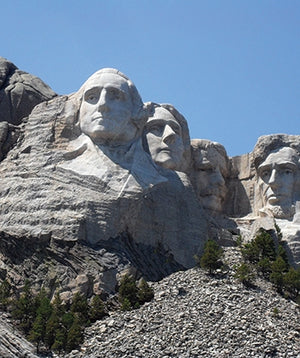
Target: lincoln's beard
x=279, y=212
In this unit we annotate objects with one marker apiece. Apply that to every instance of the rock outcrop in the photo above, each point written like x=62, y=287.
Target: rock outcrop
x=20, y=92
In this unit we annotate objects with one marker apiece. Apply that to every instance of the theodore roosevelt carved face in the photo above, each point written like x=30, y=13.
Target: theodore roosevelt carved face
x=276, y=181
x=164, y=138
x=210, y=168
x=109, y=103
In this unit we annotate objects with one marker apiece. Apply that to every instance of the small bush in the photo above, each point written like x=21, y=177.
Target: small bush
x=244, y=274
x=211, y=258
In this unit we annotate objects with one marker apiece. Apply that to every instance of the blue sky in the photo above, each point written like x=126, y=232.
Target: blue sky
x=230, y=67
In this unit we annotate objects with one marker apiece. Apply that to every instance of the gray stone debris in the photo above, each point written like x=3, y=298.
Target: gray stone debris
x=193, y=315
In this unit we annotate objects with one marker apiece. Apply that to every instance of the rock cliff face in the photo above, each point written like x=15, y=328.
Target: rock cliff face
x=98, y=183
x=19, y=92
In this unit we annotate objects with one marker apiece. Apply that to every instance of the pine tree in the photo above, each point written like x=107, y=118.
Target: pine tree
x=244, y=274
x=291, y=282
x=43, y=313
x=54, y=322
x=60, y=340
x=97, y=309
x=128, y=290
x=278, y=268
x=5, y=292
x=145, y=292
x=80, y=308
x=24, y=309
x=75, y=335
x=264, y=266
x=211, y=258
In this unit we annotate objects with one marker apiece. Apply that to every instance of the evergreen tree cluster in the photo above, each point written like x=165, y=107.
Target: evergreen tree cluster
x=211, y=259
x=52, y=325
x=261, y=256
x=132, y=295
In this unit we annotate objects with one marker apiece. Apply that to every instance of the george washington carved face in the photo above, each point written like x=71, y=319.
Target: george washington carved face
x=106, y=111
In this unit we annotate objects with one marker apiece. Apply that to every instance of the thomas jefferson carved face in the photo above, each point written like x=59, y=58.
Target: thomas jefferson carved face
x=211, y=170
x=164, y=138
x=277, y=177
x=106, y=109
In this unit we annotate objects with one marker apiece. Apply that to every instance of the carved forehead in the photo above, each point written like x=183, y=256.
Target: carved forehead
x=281, y=156
x=115, y=78
x=163, y=114
x=209, y=153
x=106, y=80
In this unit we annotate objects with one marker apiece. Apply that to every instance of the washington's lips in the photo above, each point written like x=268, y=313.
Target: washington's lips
x=97, y=118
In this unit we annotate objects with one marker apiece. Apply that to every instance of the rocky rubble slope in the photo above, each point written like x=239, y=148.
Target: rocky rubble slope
x=193, y=315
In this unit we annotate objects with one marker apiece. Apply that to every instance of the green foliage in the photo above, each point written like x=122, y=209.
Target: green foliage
x=278, y=268
x=128, y=290
x=276, y=312
x=283, y=254
x=75, y=335
x=24, y=310
x=291, y=282
x=60, y=340
x=97, y=309
x=264, y=267
x=52, y=328
x=261, y=247
x=53, y=325
x=211, y=258
x=43, y=313
x=132, y=296
x=239, y=241
x=145, y=292
x=244, y=274
x=5, y=293
x=126, y=305
x=80, y=307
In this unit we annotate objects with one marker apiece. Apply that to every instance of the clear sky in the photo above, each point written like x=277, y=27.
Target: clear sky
x=231, y=67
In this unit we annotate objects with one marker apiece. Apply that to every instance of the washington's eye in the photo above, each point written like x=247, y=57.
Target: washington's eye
x=288, y=171
x=115, y=93
x=176, y=130
x=91, y=97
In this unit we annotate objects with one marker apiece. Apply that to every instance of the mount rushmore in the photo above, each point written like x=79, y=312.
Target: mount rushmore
x=97, y=182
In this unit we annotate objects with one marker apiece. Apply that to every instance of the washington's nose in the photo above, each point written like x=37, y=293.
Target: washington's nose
x=168, y=134
x=102, y=102
x=218, y=178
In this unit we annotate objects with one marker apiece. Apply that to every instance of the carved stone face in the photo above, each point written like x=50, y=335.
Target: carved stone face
x=277, y=177
x=209, y=177
x=164, y=137
x=106, y=110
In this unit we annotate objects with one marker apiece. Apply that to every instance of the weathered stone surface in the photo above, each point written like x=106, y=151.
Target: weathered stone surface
x=98, y=184
x=61, y=185
x=166, y=137
x=193, y=315
x=12, y=344
x=210, y=169
x=19, y=92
